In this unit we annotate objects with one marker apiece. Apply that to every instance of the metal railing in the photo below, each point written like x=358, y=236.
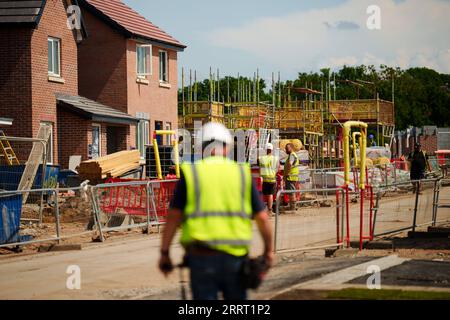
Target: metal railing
x=441, y=200
x=318, y=223
x=405, y=206
x=324, y=218
x=21, y=222
x=144, y=203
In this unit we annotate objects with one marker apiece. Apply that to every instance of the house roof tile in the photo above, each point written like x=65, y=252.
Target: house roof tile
x=94, y=110
x=128, y=19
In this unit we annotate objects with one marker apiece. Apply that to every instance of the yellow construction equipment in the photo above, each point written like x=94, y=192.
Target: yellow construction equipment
x=175, y=151
x=7, y=150
x=354, y=135
x=362, y=152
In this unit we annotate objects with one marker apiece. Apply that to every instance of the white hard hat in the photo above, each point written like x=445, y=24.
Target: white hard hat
x=269, y=146
x=213, y=131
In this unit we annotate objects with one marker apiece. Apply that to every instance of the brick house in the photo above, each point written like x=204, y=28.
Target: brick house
x=42, y=81
x=130, y=64
x=431, y=138
x=27, y=88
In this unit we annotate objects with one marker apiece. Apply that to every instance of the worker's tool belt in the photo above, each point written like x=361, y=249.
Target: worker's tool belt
x=197, y=249
x=253, y=272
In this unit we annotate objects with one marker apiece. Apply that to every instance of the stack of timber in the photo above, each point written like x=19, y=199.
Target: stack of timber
x=111, y=166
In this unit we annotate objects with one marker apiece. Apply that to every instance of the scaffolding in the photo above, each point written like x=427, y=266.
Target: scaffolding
x=316, y=120
x=203, y=111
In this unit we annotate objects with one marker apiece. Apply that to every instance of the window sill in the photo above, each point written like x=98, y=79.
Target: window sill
x=165, y=85
x=142, y=81
x=56, y=79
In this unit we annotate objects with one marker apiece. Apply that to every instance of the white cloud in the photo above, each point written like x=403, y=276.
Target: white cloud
x=413, y=33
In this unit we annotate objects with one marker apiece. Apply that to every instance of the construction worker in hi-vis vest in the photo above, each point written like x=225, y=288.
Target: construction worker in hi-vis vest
x=214, y=203
x=291, y=172
x=268, y=168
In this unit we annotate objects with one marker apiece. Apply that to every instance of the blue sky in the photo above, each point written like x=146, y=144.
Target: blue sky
x=301, y=35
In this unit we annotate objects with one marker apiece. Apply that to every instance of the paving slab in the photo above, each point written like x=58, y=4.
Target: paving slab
x=422, y=273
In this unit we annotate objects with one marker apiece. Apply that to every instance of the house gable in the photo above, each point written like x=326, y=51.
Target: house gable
x=130, y=23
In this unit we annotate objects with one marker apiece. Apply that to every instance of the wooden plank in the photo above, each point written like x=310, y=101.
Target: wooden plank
x=112, y=165
x=34, y=160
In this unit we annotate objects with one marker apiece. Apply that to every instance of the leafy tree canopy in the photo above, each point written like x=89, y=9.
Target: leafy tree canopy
x=422, y=95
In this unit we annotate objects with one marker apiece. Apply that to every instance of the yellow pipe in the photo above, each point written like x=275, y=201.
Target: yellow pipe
x=165, y=132
x=175, y=149
x=347, y=128
x=157, y=159
x=354, y=145
x=362, y=151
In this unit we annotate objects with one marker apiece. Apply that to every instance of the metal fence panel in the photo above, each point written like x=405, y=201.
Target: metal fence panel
x=131, y=204
x=29, y=221
x=441, y=210
x=317, y=223
x=64, y=214
x=401, y=207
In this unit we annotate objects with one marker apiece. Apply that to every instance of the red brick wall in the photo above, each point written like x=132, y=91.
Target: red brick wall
x=160, y=102
x=102, y=64
x=54, y=24
x=78, y=131
x=26, y=94
x=73, y=136
x=429, y=144
x=107, y=73
x=15, y=84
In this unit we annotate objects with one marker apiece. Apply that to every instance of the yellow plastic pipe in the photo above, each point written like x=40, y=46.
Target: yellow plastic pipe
x=157, y=159
x=347, y=129
x=165, y=132
x=362, y=184
x=354, y=145
x=176, y=155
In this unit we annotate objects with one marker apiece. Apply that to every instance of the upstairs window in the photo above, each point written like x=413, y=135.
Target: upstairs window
x=143, y=60
x=163, y=64
x=54, y=57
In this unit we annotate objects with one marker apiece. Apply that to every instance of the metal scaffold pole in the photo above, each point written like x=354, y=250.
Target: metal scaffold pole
x=273, y=89
x=279, y=89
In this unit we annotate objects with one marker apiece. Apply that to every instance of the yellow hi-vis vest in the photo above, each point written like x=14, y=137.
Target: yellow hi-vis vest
x=218, y=210
x=267, y=168
x=293, y=173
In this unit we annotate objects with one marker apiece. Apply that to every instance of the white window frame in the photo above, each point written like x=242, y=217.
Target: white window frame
x=49, y=145
x=143, y=135
x=53, y=58
x=168, y=126
x=99, y=126
x=148, y=60
x=167, y=66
